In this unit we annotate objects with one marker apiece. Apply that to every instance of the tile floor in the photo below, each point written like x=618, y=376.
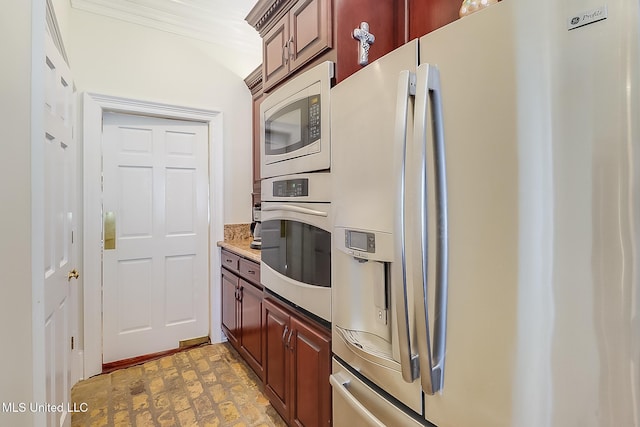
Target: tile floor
x=205, y=386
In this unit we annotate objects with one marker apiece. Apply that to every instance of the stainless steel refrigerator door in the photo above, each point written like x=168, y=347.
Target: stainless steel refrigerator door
x=542, y=144
x=372, y=335
x=476, y=59
x=356, y=404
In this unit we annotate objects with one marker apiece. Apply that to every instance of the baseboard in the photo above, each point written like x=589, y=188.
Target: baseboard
x=127, y=363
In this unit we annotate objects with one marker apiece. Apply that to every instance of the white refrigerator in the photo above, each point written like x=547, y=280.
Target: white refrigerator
x=486, y=220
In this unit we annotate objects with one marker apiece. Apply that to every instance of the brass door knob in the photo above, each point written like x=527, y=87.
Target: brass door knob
x=73, y=274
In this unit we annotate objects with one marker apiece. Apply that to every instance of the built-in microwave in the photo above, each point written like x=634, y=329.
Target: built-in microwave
x=294, y=126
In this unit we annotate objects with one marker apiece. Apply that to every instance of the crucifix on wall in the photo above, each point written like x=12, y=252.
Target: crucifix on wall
x=366, y=39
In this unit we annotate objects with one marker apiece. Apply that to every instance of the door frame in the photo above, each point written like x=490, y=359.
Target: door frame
x=94, y=106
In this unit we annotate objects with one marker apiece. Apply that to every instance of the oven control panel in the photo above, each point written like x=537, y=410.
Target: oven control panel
x=291, y=188
x=314, y=187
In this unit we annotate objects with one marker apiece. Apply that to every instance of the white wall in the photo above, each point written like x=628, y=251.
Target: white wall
x=117, y=58
x=16, y=290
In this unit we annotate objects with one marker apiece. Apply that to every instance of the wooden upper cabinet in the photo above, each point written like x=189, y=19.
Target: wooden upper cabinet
x=383, y=19
x=275, y=53
x=309, y=31
x=254, y=83
x=298, y=34
x=293, y=33
x=425, y=16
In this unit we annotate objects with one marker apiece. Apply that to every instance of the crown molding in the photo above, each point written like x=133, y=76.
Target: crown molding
x=220, y=23
x=189, y=20
x=141, y=15
x=254, y=80
x=266, y=12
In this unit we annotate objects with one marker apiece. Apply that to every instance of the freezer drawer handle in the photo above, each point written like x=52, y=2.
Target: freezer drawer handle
x=341, y=386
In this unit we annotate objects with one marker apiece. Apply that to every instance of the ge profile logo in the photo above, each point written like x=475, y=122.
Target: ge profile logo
x=585, y=18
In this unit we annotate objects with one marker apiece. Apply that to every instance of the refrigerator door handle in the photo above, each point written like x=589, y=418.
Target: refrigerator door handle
x=428, y=116
x=408, y=360
x=341, y=387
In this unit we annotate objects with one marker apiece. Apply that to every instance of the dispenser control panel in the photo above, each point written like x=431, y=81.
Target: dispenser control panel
x=360, y=241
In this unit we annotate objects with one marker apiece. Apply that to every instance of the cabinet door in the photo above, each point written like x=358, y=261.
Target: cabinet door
x=257, y=100
x=229, y=307
x=276, y=358
x=275, y=53
x=348, y=15
x=310, y=30
x=251, y=325
x=311, y=366
x=428, y=15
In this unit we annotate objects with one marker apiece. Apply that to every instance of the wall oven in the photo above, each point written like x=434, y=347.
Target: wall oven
x=294, y=125
x=296, y=240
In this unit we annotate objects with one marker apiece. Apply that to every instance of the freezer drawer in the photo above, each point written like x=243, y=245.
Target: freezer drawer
x=356, y=404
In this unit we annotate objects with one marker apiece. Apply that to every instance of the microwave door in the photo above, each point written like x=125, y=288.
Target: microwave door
x=285, y=129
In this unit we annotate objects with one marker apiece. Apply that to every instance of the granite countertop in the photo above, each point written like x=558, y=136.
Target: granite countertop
x=237, y=239
x=242, y=248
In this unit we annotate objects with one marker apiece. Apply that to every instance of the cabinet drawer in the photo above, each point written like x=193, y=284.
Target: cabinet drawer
x=230, y=260
x=250, y=271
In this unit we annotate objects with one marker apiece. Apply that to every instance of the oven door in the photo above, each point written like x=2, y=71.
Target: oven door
x=296, y=254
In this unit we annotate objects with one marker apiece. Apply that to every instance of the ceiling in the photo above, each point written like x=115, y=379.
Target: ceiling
x=218, y=22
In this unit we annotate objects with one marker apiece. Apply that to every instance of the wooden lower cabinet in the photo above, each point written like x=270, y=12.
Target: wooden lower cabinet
x=251, y=325
x=229, y=307
x=311, y=366
x=242, y=308
x=297, y=365
x=277, y=358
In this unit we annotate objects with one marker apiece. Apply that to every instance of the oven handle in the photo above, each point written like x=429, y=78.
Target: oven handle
x=297, y=209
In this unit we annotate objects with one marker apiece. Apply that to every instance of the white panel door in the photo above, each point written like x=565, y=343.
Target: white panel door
x=155, y=191
x=60, y=260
